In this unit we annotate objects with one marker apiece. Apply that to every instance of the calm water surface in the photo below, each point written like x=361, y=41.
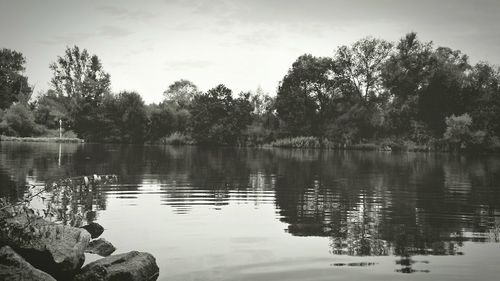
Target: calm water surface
x=272, y=214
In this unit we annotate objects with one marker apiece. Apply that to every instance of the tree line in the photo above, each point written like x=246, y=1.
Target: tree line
x=406, y=93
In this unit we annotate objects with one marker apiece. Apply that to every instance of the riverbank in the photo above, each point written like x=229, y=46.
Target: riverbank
x=41, y=139
x=436, y=145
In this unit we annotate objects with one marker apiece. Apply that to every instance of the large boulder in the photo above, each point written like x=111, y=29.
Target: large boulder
x=53, y=248
x=14, y=268
x=131, y=266
x=94, y=229
x=100, y=247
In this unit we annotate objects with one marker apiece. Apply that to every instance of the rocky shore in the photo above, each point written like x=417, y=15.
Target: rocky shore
x=35, y=249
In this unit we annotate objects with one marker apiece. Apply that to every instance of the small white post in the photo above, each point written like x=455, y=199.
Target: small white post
x=60, y=128
x=59, y=160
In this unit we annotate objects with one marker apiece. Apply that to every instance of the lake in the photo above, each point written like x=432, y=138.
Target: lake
x=277, y=214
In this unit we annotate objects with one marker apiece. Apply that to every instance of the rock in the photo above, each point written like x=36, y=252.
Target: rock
x=53, y=248
x=13, y=267
x=131, y=266
x=94, y=229
x=100, y=247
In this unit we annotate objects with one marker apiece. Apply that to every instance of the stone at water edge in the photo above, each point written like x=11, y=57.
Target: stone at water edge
x=94, y=229
x=131, y=266
x=14, y=268
x=53, y=248
x=100, y=247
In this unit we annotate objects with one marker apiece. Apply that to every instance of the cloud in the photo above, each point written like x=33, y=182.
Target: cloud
x=110, y=31
x=260, y=37
x=188, y=64
x=124, y=13
x=68, y=38
x=107, y=32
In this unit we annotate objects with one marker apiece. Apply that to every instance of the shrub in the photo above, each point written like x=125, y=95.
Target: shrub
x=297, y=142
x=257, y=134
x=177, y=138
x=458, y=132
x=458, y=129
x=18, y=120
x=493, y=143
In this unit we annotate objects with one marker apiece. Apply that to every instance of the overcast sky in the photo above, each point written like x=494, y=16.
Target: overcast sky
x=147, y=45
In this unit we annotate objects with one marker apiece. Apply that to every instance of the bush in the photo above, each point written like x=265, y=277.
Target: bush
x=257, y=134
x=493, y=143
x=459, y=135
x=18, y=120
x=458, y=129
x=177, y=138
x=297, y=142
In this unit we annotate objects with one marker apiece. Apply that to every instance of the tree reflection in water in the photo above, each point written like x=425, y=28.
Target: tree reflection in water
x=374, y=204
x=366, y=203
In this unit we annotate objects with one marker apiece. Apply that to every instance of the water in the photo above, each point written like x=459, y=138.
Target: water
x=274, y=214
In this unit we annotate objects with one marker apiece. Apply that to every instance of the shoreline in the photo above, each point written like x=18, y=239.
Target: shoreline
x=369, y=146
x=41, y=139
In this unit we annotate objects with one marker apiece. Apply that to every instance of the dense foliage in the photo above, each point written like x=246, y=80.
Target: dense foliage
x=407, y=93
x=14, y=85
x=218, y=118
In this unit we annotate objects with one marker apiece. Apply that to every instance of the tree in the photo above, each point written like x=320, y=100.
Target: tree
x=442, y=95
x=404, y=74
x=132, y=119
x=14, y=85
x=358, y=76
x=80, y=78
x=360, y=66
x=161, y=121
x=181, y=93
x=265, y=123
x=218, y=118
x=18, y=120
x=49, y=109
x=482, y=97
x=305, y=94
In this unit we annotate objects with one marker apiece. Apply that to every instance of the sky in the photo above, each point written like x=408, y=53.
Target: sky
x=245, y=44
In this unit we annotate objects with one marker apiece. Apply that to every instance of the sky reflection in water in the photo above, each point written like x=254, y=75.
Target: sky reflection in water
x=272, y=214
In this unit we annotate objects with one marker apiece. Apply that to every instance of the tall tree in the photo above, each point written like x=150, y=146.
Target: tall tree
x=443, y=94
x=404, y=74
x=14, y=85
x=162, y=121
x=360, y=65
x=305, y=94
x=132, y=118
x=181, y=93
x=80, y=75
x=358, y=75
x=482, y=97
x=81, y=80
x=218, y=118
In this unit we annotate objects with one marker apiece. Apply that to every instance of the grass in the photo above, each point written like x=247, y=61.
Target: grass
x=41, y=139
